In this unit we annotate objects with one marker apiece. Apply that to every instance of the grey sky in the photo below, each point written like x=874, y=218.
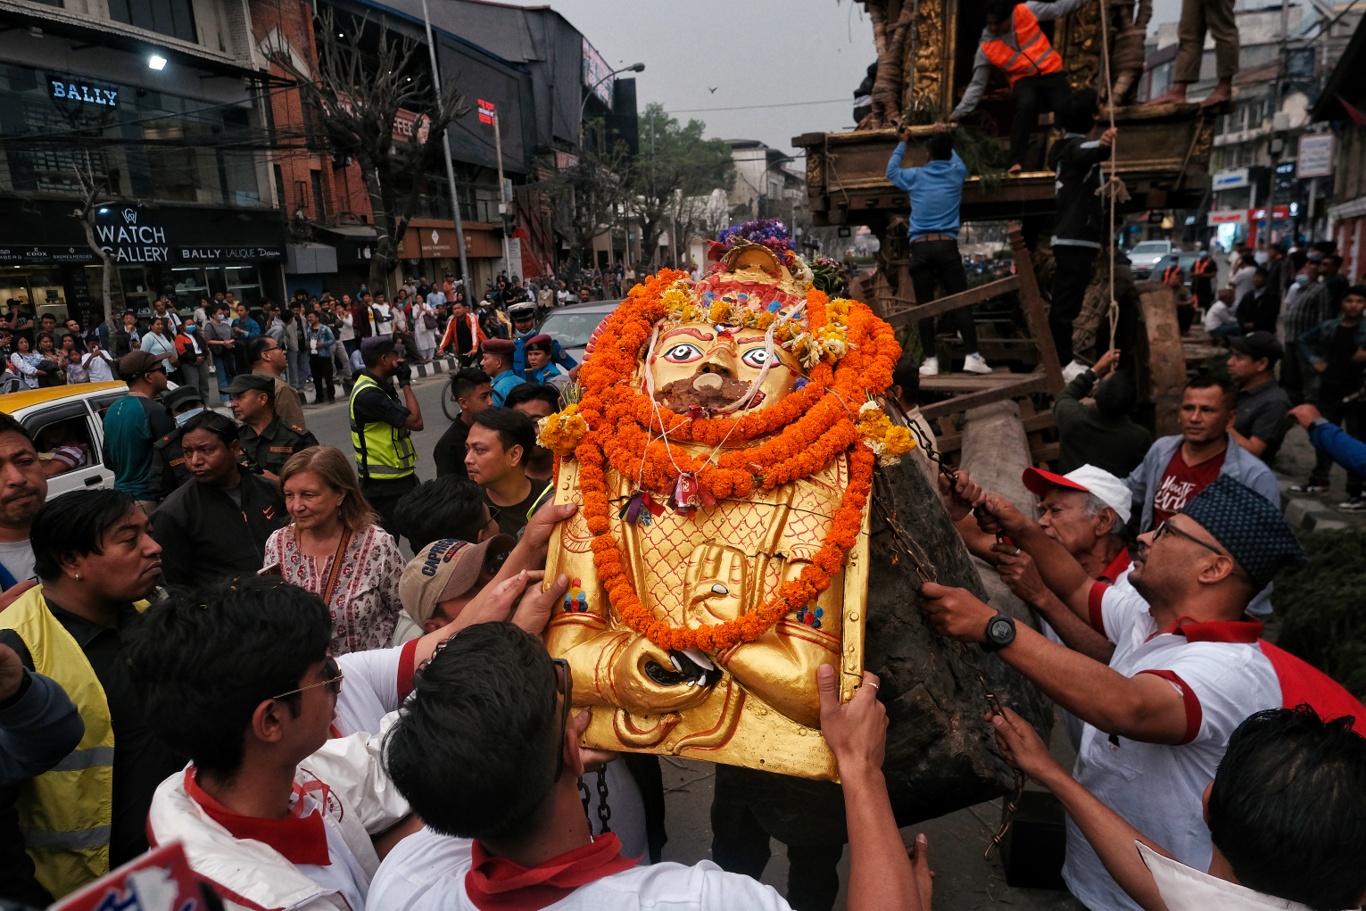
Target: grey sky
x=769, y=58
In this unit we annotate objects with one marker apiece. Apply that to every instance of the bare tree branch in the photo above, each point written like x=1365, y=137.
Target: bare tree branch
x=362, y=91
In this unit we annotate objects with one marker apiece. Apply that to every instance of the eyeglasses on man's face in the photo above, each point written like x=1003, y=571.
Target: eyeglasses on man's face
x=334, y=677
x=564, y=685
x=1167, y=526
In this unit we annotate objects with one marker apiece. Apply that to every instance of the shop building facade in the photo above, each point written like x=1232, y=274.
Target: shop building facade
x=160, y=106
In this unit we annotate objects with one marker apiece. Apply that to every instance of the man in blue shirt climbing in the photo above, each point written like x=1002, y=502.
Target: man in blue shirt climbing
x=936, y=191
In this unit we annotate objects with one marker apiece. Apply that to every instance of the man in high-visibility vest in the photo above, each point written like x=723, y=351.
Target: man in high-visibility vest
x=382, y=427
x=1203, y=273
x=1013, y=43
x=96, y=560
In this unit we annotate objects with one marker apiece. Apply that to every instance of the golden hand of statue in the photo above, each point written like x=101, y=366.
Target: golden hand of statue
x=648, y=682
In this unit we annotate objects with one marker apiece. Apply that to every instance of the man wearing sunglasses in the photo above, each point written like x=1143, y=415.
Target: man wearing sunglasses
x=1188, y=665
x=133, y=424
x=488, y=749
x=284, y=803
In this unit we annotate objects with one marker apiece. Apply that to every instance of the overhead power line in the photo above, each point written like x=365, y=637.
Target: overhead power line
x=757, y=107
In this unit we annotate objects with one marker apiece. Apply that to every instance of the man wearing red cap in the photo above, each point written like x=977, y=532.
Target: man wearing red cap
x=1085, y=512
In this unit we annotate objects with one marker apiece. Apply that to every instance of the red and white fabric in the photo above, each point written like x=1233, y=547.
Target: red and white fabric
x=1224, y=673
x=432, y=872
x=320, y=858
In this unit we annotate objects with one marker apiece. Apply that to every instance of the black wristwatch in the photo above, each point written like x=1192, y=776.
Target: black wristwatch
x=1000, y=633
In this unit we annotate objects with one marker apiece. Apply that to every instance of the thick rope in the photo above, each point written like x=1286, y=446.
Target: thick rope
x=1113, y=189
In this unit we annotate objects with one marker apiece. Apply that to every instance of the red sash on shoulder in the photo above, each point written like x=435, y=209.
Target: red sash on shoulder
x=499, y=884
x=1301, y=682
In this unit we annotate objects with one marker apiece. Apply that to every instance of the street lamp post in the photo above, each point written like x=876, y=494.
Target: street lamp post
x=450, y=165
x=633, y=68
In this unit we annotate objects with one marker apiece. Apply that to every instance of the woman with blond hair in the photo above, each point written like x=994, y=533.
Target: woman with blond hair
x=335, y=548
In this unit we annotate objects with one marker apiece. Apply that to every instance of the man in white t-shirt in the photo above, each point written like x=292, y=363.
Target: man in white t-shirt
x=285, y=803
x=97, y=363
x=488, y=754
x=1187, y=668
x=1284, y=813
x=382, y=315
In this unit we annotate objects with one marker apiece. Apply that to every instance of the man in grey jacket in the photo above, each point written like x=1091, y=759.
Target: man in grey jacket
x=1179, y=466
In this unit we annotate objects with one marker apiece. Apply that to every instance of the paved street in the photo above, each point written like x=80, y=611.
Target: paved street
x=330, y=423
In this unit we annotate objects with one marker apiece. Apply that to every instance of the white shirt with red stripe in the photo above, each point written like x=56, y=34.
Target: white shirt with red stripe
x=427, y=872
x=1223, y=676
x=258, y=864
x=375, y=683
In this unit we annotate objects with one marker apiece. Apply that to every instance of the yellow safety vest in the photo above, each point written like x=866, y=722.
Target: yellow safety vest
x=383, y=452
x=66, y=813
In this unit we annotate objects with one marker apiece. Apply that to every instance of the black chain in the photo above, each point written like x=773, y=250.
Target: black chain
x=926, y=445
x=604, y=809
x=923, y=568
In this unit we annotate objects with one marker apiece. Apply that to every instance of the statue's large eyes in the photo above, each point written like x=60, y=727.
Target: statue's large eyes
x=682, y=354
x=756, y=357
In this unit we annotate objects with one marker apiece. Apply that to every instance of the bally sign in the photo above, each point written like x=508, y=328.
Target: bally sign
x=84, y=93
x=226, y=254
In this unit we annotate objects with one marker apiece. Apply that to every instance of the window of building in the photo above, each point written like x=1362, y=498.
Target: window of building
x=315, y=179
x=279, y=188
x=166, y=17
x=152, y=145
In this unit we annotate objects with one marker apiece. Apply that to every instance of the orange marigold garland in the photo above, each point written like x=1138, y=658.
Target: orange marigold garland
x=849, y=353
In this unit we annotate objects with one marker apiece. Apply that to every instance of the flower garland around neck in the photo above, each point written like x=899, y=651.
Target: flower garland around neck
x=850, y=354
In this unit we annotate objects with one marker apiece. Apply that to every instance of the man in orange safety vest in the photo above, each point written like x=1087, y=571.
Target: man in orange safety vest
x=1013, y=43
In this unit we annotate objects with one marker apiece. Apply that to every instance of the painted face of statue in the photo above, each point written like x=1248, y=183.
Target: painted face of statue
x=697, y=364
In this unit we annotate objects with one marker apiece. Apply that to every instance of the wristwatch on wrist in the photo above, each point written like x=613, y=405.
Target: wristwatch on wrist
x=1000, y=633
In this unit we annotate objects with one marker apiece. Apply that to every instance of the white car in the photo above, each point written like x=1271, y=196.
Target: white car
x=1149, y=253
x=68, y=415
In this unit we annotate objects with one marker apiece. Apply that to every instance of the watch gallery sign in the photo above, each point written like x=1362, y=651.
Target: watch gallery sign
x=138, y=235
x=132, y=236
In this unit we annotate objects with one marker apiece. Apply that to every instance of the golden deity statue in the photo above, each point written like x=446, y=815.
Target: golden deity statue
x=733, y=533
